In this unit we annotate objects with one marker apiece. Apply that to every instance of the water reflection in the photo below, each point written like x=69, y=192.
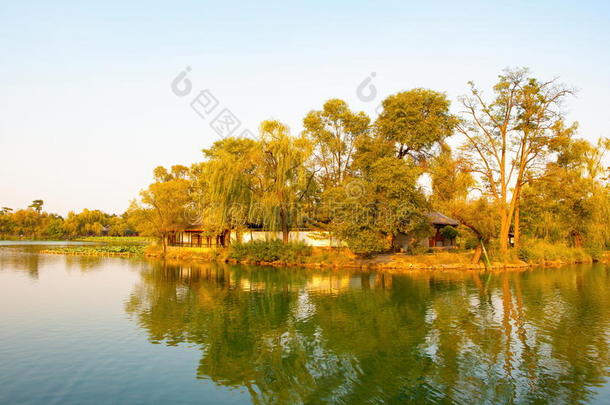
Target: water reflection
x=294, y=336
x=24, y=256
x=12, y=258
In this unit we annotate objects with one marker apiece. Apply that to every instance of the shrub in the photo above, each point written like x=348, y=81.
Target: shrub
x=270, y=251
x=596, y=252
x=367, y=243
x=525, y=253
x=449, y=232
x=540, y=251
x=417, y=249
x=471, y=242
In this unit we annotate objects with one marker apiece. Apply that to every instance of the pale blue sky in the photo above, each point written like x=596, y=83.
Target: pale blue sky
x=86, y=109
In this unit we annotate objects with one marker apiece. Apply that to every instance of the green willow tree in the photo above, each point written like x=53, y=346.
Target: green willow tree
x=223, y=186
x=282, y=182
x=88, y=222
x=264, y=182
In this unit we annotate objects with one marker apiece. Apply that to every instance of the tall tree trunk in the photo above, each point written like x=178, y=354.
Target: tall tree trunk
x=517, y=233
x=504, y=230
x=477, y=254
x=227, y=237
x=577, y=239
x=164, y=243
x=284, y=226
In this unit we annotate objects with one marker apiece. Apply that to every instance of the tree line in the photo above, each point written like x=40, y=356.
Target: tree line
x=519, y=170
x=34, y=223
x=515, y=169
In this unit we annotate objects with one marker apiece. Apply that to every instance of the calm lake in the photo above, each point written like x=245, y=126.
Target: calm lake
x=103, y=330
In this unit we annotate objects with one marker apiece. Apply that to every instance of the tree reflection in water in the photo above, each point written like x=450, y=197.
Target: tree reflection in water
x=303, y=336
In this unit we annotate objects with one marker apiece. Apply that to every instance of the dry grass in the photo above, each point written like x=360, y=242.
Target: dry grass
x=545, y=253
x=186, y=253
x=344, y=258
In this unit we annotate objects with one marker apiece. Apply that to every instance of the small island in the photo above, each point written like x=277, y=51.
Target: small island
x=504, y=183
x=304, y=203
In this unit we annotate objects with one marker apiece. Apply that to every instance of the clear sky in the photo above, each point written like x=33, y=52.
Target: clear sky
x=87, y=110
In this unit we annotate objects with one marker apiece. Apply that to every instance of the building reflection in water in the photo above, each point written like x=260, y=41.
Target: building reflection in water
x=321, y=336
x=296, y=336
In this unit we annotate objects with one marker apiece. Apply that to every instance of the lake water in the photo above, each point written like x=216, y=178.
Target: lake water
x=103, y=330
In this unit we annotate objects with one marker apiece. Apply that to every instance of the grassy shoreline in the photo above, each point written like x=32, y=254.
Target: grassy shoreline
x=297, y=255
x=343, y=258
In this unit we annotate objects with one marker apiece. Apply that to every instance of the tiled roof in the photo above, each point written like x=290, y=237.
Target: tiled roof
x=437, y=218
